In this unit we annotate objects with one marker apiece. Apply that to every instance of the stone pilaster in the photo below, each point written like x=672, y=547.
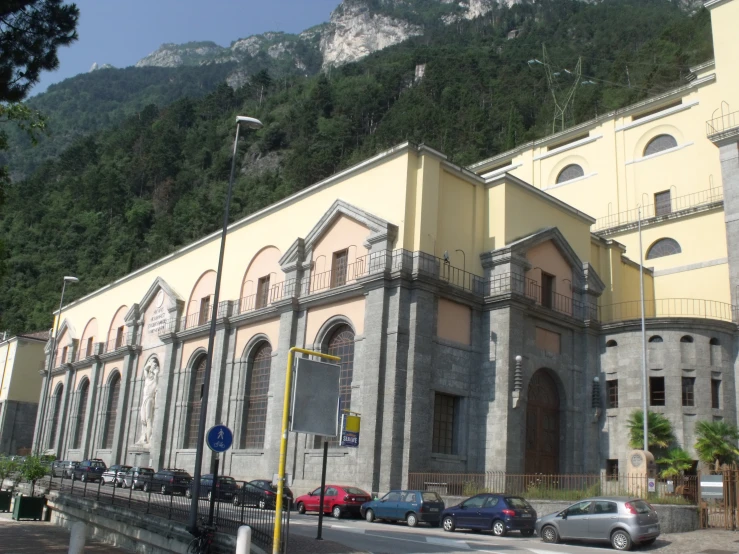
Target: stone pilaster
x=91, y=419
x=162, y=422
x=728, y=145
x=118, y=451
x=61, y=435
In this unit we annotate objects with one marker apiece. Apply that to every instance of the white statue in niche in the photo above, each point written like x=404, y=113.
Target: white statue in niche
x=148, y=400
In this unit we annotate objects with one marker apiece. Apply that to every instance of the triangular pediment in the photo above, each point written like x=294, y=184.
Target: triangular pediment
x=152, y=295
x=554, y=235
x=379, y=230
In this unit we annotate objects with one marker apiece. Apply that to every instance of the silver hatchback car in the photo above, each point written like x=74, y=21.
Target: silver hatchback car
x=621, y=520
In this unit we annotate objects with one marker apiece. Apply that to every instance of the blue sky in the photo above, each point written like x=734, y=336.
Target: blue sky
x=121, y=32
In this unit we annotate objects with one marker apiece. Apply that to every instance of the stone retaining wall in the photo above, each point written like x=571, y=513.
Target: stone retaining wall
x=672, y=518
x=129, y=529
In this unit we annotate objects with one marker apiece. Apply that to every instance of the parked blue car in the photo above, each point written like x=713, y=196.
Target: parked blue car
x=413, y=507
x=498, y=513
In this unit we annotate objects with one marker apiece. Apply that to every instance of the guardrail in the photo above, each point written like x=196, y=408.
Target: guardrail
x=235, y=506
x=668, y=307
x=677, y=204
x=722, y=124
x=565, y=487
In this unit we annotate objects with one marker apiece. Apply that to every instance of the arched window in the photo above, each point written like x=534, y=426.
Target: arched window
x=57, y=401
x=655, y=338
x=660, y=143
x=663, y=247
x=570, y=172
x=256, y=397
x=686, y=338
x=114, y=390
x=83, y=393
x=195, y=404
x=341, y=344
x=611, y=343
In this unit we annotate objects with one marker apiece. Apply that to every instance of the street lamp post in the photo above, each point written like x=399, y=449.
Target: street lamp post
x=250, y=123
x=49, y=366
x=645, y=384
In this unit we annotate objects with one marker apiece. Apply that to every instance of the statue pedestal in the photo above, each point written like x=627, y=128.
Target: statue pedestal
x=640, y=467
x=139, y=456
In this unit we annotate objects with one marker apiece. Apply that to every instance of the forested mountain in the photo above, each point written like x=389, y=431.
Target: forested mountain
x=120, y=198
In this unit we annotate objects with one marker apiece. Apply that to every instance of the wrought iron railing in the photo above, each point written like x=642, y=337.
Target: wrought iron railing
x=325, y=280
x=117, y=342
x=235, y=505
x=667, y=307
x=566, y=487
x=677, y=204
x=278, y=291
x=422, y=264
x=722, y=124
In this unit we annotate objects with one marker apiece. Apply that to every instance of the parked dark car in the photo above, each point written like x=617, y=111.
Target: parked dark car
x=623, y=521
x=338, y=500
x=412, y=507
x=226, y=488
x=114, y=474
x=89, y=470
x=498, y=513
x=69, y=468
x=137, y=476
x=262, y=494
x=170, y=481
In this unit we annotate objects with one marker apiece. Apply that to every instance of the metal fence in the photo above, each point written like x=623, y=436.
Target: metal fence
x=566, y=487
x=667, y=307
x=719, y=125
x=235, y=506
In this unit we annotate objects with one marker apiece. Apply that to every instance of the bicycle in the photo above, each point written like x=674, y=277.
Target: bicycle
x=203, y=541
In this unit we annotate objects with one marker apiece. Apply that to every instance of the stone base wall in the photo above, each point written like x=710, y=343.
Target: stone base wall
x=672, y=518
x=17, y=424
x=128, y=529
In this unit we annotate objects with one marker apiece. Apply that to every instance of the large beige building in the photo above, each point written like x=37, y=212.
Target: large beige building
x=487, y=318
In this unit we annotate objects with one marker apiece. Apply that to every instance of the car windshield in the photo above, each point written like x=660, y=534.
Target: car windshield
x=229, y=480
x=641, y=507
x=146, y=470
x=431, y=497
x=124, y=468
x=354, y=490
x=97, y=464
x=516, y=502
x=181, y=474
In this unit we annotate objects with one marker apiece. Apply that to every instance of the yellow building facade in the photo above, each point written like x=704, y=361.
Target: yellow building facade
x=502, y=301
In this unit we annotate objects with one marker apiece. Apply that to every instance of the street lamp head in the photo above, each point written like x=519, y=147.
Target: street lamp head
x=70, y=279
x=250, y=122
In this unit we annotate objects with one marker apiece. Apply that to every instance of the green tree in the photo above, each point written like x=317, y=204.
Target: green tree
x=8, y=470
x=658, y=426
x=675, y=462
x=31, y=31
x=717, y=442
x=32, y=470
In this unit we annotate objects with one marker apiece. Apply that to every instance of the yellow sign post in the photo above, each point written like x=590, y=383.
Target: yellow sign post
x=283, y=440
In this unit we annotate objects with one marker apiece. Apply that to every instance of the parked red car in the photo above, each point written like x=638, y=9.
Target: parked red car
x=338, y=500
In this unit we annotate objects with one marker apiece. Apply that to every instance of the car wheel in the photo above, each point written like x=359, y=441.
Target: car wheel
x=621, y=540
x=648, y=542
x=498, y=528
x=527, y=532
x=336, y=512
x=301, y=508
x=145, y=487
x=369, y=515
x=549, y=534
x=411, y=519
x=262, y=504
x=448, y=524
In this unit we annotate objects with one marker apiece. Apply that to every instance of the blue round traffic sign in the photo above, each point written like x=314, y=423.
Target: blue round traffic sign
x=219, y=438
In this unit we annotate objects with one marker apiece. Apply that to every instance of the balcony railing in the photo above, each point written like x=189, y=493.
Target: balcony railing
x=677, y=204
x=126, y=339
x=278, y=291
x=667, y=307
x=201, y=318
x=720, y=125
x=420, y=263
x=325, y=280
x=512, y=283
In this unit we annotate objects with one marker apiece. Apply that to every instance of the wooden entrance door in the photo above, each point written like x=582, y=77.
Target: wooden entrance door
x=542, y=425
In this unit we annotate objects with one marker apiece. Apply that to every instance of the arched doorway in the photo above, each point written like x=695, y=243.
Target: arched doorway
x=542, y=425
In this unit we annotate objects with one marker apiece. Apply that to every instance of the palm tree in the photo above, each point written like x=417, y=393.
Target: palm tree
x=676, y=461
x=717, y=442
x=659, y=429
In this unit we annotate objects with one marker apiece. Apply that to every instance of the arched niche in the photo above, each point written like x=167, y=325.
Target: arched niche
x=204, y=288
x=264, y=264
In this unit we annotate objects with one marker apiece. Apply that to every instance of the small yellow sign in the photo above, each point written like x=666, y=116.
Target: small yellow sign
x=351, y=423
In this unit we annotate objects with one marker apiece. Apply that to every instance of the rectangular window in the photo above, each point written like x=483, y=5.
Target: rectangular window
x=547, y=290
x=338, y=268
x=64, y=355
x=119, y=337
x=205, y=307
x=715, y=393
x=612, y=470
x=612, y=387
x=88, y=352
x=444, y=411
x=262, y=292
x=656, y=391
x=688, y=391
x=662, y=203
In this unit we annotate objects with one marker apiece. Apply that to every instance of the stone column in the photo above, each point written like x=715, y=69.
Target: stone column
x=90, y=419
x=123, y=425
x=61, y=435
